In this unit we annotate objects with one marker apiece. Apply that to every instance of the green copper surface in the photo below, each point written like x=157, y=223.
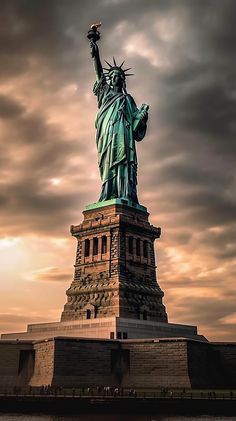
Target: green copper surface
x=119, y=125
x=118, y=201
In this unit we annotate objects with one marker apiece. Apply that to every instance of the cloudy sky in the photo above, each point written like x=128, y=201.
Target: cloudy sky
x=183, y=55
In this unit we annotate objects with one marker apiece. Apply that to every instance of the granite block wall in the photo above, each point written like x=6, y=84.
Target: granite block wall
x=157, y=364
x=44, y=363
x=147, y=363
x=16, y=364
x=226, y=363
x=84, y=363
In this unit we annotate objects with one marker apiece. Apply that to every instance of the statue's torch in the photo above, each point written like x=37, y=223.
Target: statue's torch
x=93, y=34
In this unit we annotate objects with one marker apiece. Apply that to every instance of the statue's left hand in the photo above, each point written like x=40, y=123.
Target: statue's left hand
x=143, y=115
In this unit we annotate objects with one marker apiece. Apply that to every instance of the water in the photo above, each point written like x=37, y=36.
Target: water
x=109, y=417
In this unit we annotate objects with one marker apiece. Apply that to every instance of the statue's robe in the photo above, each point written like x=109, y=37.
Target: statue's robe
x=115, y=139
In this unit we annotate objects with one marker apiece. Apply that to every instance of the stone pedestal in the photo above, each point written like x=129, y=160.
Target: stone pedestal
x=115, y=271
x=114, y=293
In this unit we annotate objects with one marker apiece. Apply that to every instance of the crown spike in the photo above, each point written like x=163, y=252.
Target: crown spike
x=108, y=63
x=114, y=61
x=129, y=74
x=126, y=70
x=122, y=63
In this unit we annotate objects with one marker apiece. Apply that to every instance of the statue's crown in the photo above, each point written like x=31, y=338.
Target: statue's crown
x=116, y=67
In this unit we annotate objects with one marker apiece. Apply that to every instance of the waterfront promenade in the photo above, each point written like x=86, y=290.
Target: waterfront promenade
x=190, y=402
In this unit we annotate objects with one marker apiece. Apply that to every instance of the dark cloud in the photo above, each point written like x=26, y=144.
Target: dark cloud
x=32, y=27
x=206, y=310
x=209, y=110
x=9, y=108
x=38, y=151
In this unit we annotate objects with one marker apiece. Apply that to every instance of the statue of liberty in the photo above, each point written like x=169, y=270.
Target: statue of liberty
x=119, y=124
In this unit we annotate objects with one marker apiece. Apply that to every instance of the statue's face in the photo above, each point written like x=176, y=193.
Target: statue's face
x=117, y=78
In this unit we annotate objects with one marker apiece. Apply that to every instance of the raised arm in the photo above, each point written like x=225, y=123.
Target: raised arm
x=96, y=59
